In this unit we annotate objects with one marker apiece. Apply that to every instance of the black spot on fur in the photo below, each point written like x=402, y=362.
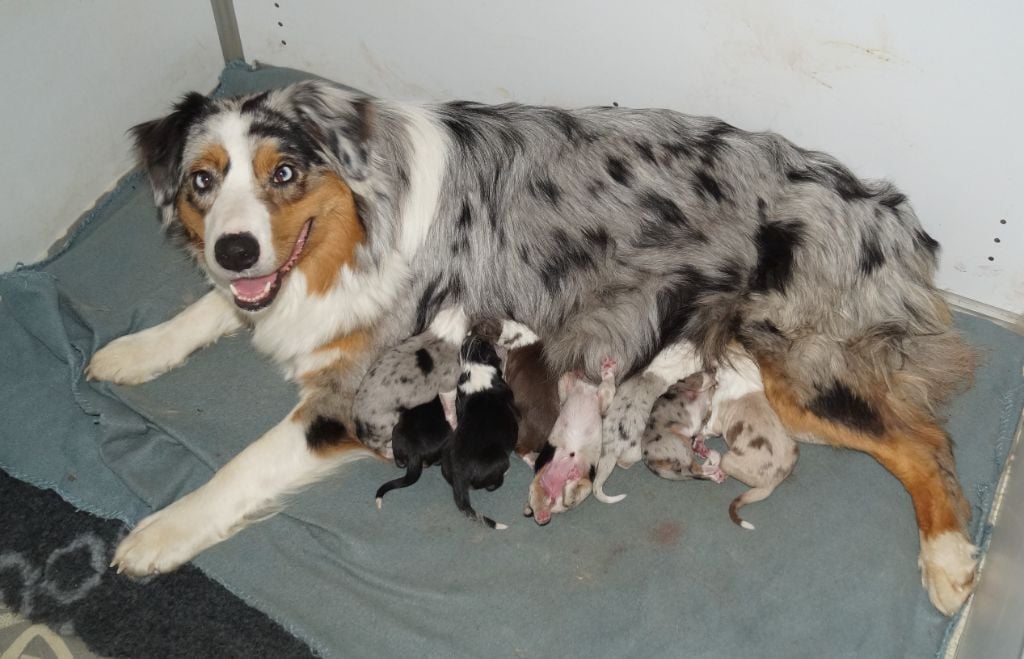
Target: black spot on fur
x=706, y=186
x=664, y=209
x=570, y=126
x=619, y=170
x=646, y=152
x=712, y=143
x=524, y=254
x=834, y=176
x=569, y=256
x=925, y=241
x=598, y=238
x=871, y=256
x=547, y=189
x=676, y=149
x=325, y=432
x=427, y=305
x=595, y=188
x=892, y=199
x=544, y=456
x=255, y=103
x=837, y=403
x=465, y=217
x=424, y=361
x=760, y=442
x=776, y=244
x=362, y=431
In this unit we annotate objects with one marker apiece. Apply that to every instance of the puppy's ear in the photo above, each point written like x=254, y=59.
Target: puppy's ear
x=160, y=143
x=343, y=123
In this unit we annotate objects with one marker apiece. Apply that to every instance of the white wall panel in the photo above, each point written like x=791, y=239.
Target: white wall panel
x=926, y=93
x=74, y=77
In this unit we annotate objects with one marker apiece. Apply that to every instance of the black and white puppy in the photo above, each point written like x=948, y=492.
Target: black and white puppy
x=419, y=440
x=487, y=427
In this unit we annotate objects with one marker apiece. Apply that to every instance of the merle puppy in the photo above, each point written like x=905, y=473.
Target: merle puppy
x=419, y=440
x=487, y=427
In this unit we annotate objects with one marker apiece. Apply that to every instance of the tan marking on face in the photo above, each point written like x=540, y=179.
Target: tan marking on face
x=325, y=198
x=192, y=207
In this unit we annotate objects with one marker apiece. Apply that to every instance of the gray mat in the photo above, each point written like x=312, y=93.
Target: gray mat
x=830, y=571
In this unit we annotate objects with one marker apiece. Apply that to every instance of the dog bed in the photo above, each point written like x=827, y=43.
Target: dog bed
x=830, y=570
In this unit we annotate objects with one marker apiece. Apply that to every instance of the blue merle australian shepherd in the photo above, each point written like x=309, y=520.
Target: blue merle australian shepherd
x=336, y=224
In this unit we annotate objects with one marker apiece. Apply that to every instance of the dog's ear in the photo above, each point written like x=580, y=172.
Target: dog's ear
x=342, y=121
x=160, y=143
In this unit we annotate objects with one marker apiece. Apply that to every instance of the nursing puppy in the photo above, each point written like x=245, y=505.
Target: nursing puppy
x=487, y=426
x=336, y=224
x=419, y=440
x=535, y=389
x=410, y=374
x=565, y=480
x=761, y=453
x=630, y=410
x=676, y=422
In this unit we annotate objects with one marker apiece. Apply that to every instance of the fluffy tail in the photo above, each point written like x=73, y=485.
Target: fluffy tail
x=605, y=466
x=750, y=496
x=461, y=491
x=412, y=474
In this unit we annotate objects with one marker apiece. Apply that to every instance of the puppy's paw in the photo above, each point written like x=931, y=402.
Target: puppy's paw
x=948, y=567
x=164, y=541
x=132, y=359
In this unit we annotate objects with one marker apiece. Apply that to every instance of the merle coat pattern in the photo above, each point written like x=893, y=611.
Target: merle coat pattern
x=608, y=231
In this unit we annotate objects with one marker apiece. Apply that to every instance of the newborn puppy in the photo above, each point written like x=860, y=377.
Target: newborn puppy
x=419, y=440
x=486, y=430
x=535, y=389
x=761, y=453
x=411, y=374
x=676, y=421
x=630, y=410
x=565, y=480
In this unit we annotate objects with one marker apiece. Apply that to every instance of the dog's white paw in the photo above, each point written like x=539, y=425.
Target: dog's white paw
x=132, y=359
x=948, y=567
x=164, y=541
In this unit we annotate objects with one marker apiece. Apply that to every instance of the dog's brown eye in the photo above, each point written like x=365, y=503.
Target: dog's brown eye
x=202, y=181
x=284, y=174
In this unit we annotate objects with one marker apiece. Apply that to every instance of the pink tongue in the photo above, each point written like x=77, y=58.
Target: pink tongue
x=251, y=287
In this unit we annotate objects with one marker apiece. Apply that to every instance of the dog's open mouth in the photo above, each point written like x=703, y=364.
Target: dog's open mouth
x=254, y=293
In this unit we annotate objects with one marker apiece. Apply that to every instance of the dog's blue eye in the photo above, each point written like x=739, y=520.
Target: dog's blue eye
x=284, y=174
x=202, y=181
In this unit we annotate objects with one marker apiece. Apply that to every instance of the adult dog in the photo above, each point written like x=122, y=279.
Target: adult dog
x=336, y=224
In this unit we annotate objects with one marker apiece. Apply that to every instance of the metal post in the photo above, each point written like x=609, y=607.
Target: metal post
x=227, y=30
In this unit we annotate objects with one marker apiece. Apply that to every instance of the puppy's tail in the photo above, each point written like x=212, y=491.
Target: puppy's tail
x=412, y=474
x=605, y=466
x=750, y=496
x=461, y=491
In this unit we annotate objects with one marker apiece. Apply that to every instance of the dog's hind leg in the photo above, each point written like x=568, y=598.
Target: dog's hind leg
x=911, y=445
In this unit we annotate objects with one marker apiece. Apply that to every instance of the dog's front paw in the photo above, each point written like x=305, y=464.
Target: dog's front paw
x=948, y=567
x=164, y=541
x=132, y=359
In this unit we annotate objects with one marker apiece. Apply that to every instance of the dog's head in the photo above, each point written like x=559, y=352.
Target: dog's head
x=260, y=185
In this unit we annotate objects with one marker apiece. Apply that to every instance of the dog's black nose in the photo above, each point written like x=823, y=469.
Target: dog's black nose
x=237, y=251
